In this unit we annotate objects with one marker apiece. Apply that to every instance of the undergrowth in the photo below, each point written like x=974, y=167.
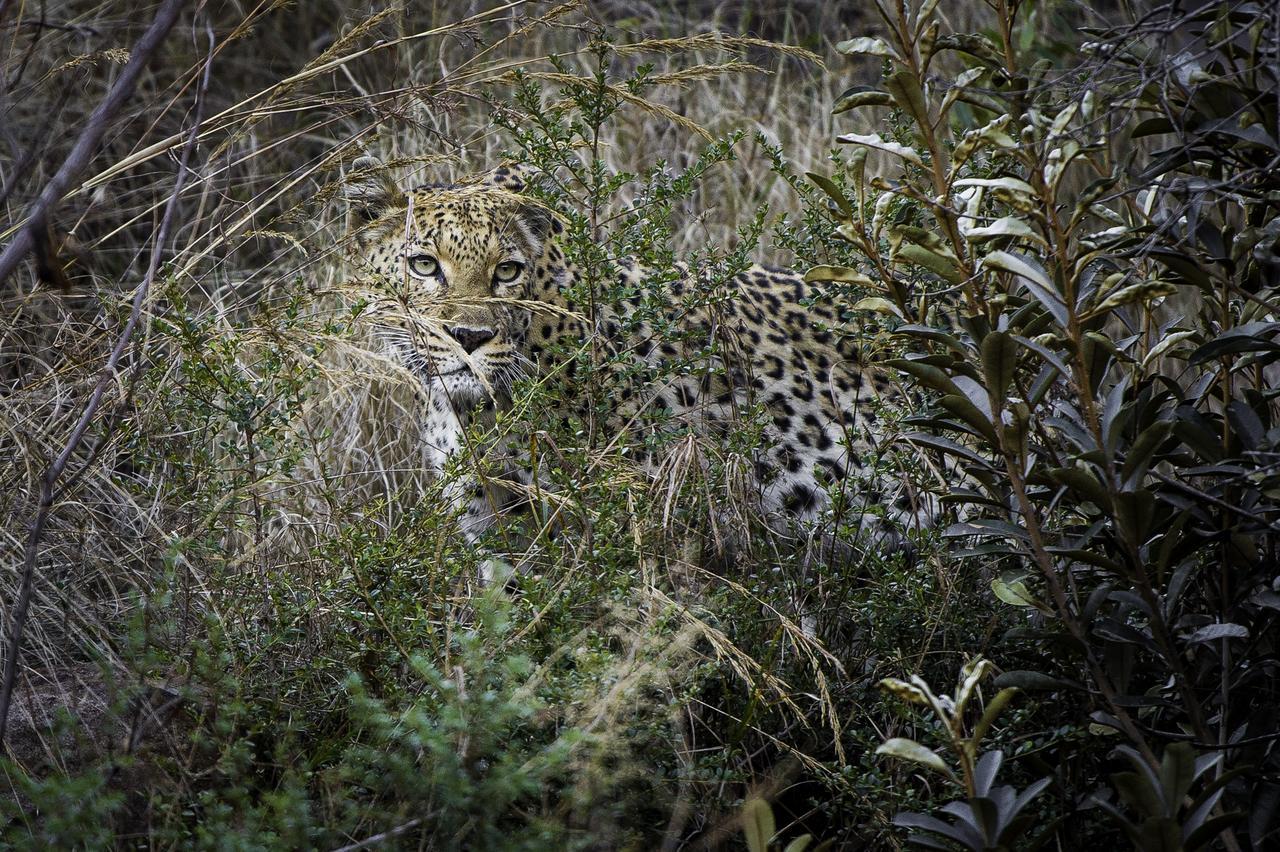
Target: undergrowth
x=254, y=625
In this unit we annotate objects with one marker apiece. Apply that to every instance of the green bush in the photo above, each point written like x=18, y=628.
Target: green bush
x=1092, y=317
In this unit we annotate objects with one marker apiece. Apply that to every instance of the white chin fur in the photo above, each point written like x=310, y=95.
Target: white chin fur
x=463, y=388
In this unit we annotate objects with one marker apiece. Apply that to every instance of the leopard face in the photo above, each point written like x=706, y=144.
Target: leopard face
x=452, y=269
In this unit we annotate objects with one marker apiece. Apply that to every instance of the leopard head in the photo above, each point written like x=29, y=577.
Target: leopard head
x=450, y=271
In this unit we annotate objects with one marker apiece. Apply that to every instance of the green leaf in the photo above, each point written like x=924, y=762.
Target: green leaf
x=834, y=192
x=927, y=374
x=942, y=265
x=758, y=824
x=800, y=844
x=1091, y=193
x=841, y=274
x=923, y=15
x=926, y=237
x=866, y=46
x=1089, y=557
x=1177, y=774
x=873, y=140
x=1138, y=458
x=1152, y=126
x=1251, y=337
x=905, y=749
x=1033, y=681
x=1135, y=511
x=1012, y=590
x=907, y=93
x=1137, y=792
x=975, y=45
x=1182, y=266
x=1010, y=184
x=1143, y=291
x=999, y=361
x=1009, y=226
x=1046, y=353
x=879, y=305
x=856, y=165
x=861, y=96
x=929, y=333
x=970, y=675
x=1214, y=632
x=1212, y=827
x=986, y=770
x=1063, y=120
x=963, y=407
x=1021, y=266
x=967, y=78
x=945, y=445
x=1037, y=282
x=987, y=527
x=990, y=135
x=902, y=690
x=1166, y=343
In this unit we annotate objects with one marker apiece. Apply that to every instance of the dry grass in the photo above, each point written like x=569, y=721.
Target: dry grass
x=297, y=92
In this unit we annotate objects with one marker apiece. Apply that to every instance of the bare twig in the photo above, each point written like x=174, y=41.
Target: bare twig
x=31, y=551
x=1216, y=501
x=87, y=145
x=384, y=836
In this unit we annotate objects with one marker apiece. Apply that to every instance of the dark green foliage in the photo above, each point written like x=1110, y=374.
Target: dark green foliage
x=461, y=764
x=1175, y=803
x=995, y=818
x=1105, y=376
x=991, y=817
x=74, y=810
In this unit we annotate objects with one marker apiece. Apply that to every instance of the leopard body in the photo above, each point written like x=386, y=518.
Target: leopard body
x=473, y=294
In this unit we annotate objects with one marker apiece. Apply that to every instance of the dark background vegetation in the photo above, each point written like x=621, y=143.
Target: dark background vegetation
x=236, y=615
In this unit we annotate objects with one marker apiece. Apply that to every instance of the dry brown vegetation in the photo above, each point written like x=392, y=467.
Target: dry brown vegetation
x=293, y=96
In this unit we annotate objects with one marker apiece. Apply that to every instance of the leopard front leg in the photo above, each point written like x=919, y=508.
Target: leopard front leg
x=444, y=441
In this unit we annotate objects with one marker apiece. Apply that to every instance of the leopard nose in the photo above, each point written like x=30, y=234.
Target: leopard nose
x=471, y=339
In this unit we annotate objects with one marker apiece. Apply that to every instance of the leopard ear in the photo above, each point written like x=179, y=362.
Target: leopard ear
x=370, y=189
x=536, y=219
x=509, y=176
x=539, y=221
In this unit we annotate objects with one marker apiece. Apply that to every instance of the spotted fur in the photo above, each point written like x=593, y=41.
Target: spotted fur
x=474, y=285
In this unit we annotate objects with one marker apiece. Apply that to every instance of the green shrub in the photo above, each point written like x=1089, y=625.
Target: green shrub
x=1094, y=322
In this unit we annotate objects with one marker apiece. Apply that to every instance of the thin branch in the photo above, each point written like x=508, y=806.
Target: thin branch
x=1216, y=501
x=87, y=145
x=383, y=837
x=17, y=623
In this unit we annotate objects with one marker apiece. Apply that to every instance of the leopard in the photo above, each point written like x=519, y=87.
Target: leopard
x=473, y=291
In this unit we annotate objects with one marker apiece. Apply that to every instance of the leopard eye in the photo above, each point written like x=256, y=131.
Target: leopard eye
x=506, y=271
x=423, y=266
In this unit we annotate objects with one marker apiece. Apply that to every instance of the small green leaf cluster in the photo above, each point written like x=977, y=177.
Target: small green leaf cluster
x=990, y=817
